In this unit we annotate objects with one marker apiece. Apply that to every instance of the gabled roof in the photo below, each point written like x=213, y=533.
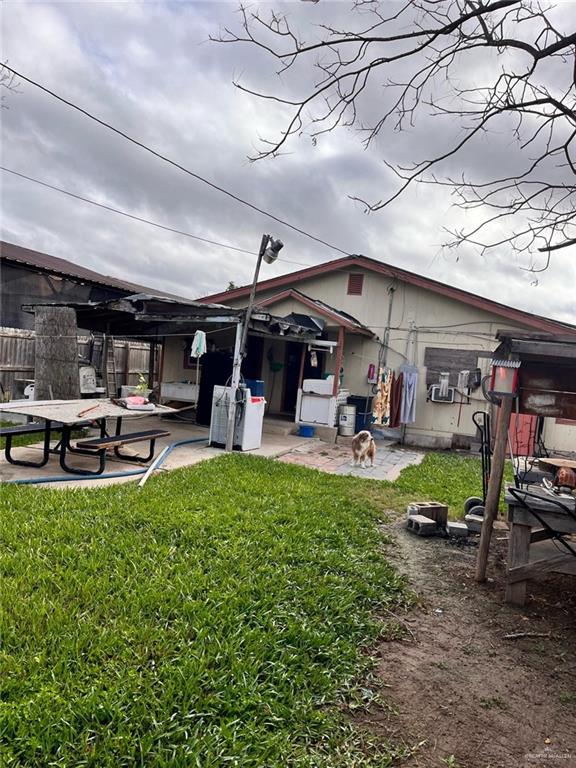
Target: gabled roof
x=44, y=262
x=323, y=309
x=403, y=275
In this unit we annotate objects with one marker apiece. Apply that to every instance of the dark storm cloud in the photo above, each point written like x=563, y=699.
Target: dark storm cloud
x=150, y=70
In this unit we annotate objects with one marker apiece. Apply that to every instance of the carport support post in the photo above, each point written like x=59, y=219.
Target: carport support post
x=339, y=358
x=235, y=381
x=494, y=486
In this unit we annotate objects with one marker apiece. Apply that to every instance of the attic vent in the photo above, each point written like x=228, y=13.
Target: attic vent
x=355, y=283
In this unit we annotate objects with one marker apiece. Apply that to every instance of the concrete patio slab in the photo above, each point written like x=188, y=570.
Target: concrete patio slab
x=336, y=459
x=273, y=445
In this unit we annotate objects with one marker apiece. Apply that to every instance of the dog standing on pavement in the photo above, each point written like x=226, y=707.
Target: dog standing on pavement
x=363, y=449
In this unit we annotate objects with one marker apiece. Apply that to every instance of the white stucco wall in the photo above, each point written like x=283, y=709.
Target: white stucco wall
x=559, y=437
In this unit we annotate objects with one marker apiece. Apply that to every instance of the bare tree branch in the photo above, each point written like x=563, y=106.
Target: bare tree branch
x=8, y=82
x=520, y=49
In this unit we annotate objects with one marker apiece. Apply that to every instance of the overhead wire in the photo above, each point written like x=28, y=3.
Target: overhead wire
x=139, y=218
x=173, y=163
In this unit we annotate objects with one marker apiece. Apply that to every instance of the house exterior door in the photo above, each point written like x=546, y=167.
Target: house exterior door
x=522, y=433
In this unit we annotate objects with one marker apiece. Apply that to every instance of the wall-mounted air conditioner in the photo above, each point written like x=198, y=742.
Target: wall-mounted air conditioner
x=437, y=397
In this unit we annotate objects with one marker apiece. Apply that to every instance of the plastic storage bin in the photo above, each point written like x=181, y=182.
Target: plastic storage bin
x=306, y=430
x=256, y=387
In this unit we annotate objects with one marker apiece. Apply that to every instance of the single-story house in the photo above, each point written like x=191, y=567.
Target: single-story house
x=385, y=318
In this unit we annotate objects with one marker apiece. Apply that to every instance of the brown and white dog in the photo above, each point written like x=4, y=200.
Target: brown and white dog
x=363, y=448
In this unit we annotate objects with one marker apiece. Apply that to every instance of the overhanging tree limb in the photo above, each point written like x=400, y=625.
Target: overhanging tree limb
x=420, y=58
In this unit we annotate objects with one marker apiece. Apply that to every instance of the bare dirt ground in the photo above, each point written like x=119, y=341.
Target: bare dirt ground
x=476, y=699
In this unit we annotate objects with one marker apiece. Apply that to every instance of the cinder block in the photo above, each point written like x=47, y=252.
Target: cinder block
x=421, y=526
x=432, y=509
x=474, y=523
x=456, y=529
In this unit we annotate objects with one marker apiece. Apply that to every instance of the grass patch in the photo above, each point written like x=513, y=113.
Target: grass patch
x=444, y=477
x=213, y=619
x=493, y=702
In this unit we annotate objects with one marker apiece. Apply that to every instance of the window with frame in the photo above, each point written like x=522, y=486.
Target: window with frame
x=355, y=284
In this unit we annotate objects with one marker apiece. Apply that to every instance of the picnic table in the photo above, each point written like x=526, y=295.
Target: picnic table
x=65, y=416
x=536, y=516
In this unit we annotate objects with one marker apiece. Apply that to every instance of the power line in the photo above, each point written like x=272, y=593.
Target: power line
x=173, y=162
x=138, y=218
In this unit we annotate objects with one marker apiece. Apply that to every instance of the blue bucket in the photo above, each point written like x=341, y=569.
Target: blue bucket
x=305, y=430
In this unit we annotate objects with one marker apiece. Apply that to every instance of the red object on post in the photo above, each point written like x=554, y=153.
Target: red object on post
x=504, y=378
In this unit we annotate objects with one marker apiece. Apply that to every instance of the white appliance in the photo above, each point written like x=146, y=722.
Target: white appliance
x=315, y=403
x=319, y=386
x=248, y=422
x=184, y=391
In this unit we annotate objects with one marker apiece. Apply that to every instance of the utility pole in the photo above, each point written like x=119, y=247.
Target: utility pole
x=269, y=249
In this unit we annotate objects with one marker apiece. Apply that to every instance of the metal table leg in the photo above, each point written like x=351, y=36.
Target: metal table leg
x=22, y=462
x=65, y=446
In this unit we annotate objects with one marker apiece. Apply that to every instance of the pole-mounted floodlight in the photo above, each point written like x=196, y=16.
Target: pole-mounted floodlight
x=273, y=249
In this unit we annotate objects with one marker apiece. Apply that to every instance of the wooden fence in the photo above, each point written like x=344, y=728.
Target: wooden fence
x=17, y=348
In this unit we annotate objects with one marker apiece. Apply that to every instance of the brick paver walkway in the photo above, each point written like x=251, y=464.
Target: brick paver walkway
x=390, y=460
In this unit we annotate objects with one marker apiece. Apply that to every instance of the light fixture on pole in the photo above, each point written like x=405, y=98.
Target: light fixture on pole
x=269, y=250
x=273, y=249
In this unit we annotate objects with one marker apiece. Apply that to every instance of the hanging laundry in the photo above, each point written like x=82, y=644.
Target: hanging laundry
x=409, y=390
x=381, y=406
x=198, y=347
x=396, y=400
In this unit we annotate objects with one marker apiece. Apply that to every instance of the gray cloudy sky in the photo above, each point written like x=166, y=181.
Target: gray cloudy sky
x=150, y=70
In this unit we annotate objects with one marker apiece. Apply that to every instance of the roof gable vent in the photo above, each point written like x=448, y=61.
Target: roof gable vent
x=355, y=284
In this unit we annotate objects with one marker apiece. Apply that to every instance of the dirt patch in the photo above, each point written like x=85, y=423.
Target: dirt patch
x=475, y=699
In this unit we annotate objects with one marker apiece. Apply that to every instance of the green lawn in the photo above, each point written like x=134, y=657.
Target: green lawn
x=218, y=617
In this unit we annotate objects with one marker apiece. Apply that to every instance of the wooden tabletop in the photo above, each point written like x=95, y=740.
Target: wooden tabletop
x=556, y=462
x=75, y=411
x=543, y=500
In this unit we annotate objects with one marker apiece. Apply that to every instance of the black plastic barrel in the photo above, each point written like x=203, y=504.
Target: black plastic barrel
x=363, y=411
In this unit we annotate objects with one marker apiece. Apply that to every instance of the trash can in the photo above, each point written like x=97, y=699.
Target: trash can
x=363, y=407
x=346, y=420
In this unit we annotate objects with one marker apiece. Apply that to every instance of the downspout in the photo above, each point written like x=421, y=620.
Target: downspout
x=386, y=334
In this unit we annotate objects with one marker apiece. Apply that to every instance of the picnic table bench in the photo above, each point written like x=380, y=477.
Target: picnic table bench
x=98, y=446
